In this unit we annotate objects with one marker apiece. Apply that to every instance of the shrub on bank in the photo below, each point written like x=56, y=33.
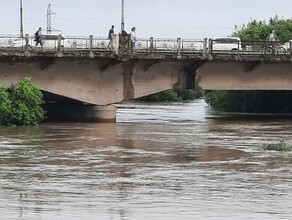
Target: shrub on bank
x=173, y=96
x=21, y=104
x=5, y=106
x=250, y=101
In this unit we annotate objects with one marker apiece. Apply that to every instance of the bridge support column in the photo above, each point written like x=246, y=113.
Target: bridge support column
x=80, y=113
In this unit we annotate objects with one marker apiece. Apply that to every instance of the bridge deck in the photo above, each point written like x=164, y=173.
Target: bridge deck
x=206, y=49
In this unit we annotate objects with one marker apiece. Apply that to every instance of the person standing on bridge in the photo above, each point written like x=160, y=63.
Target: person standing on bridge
x=133, y=38
x=111, y=32
x=273, y=36
x=38, y=37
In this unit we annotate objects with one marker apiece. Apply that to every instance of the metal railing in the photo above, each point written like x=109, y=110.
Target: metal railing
x=251, y=48
x=204, y=47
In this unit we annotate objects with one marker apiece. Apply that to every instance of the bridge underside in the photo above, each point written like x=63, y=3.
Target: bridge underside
x=244, y=76
x=83, y=87
x=99, y=81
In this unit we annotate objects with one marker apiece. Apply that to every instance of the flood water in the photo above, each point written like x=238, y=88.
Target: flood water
x=159, y=161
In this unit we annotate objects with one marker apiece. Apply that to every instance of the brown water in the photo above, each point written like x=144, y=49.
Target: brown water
x=165, y=161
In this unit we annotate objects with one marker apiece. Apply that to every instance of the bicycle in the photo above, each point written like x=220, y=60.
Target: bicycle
x=275, y=48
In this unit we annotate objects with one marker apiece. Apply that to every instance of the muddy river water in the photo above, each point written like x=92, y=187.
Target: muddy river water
x=162, y=161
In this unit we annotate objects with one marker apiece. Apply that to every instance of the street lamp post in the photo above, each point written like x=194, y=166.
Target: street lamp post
x=123, y=19
x=21, y=20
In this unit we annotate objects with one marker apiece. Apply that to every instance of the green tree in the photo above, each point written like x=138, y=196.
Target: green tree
x=260, y=30
x=22, y=105
x=5, y=106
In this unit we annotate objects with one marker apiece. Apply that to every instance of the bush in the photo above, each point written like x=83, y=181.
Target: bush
x=173, y=96
x=22, y=105
x=189, y=94
x=5, y=106
x=282, y=146
x=250, y=101
x=217, y=99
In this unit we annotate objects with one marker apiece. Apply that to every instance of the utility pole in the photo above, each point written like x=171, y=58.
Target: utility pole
x=123, y=19
x=21, y=20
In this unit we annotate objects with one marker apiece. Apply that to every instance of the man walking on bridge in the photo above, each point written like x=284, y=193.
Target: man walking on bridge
x=38, y=37
x=111, y=32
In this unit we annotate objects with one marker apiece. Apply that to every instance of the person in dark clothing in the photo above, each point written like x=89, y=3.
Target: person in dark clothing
x=111, y=32
x=38, y=37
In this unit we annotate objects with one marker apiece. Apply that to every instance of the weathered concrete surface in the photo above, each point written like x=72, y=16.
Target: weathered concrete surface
x=98, y=81
x=244, y=76
x=106, y=78
x=74, y=112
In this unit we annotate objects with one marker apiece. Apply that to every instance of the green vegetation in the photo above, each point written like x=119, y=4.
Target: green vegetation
x=250, y=101
x=21, y=104
x=260, y=30
x=256, y=101
x=282, y=146
x=173, y=96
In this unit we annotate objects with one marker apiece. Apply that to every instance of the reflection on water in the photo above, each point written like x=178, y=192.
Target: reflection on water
x=164, y=161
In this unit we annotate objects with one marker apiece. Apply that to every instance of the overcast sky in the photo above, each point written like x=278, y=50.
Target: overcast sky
x=158, y=18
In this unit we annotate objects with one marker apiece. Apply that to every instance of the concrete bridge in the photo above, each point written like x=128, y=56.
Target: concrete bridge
x=83, y=78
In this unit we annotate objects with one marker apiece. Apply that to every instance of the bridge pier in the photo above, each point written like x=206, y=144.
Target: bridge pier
x=73, y=112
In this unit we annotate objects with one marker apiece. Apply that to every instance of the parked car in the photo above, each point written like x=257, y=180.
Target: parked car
x=226, y=44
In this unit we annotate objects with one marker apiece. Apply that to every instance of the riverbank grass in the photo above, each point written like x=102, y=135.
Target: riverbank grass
x=282, y=146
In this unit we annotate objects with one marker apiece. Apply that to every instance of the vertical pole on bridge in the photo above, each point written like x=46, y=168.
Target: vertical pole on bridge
x=179, y=46
x=21, y=20
x=205, y=46
x=151, y=46
x=91, y=46
x=210, y=46
x=59, y=42
x=90, y=43
x=123, y=17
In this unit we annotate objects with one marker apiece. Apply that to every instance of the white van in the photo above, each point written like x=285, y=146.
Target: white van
x=226, y=44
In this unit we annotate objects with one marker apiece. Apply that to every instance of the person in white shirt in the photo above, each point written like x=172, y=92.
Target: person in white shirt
x=273, y=36
x=272, y=39
x=133, y=38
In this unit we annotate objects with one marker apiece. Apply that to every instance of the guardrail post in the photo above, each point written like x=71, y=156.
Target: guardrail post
x=26, y=37
x=151, y=47
x=91, y=46
x=290, y=44
x=205, y=47
x=210, y=46
x=179, y=46
x=90, y=43
x=59, y=42
x=265, y=49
